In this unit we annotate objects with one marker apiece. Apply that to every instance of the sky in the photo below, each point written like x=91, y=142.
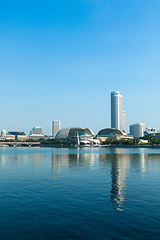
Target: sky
x=60, y=60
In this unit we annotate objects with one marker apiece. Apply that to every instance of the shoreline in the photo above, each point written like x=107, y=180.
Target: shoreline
x=73, y=146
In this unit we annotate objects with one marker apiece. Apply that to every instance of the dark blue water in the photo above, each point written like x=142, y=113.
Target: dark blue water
x=88, y=193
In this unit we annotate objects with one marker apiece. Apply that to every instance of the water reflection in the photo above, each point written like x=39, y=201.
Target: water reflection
x=15, y=160
x=114, y=163
x=2, y=161
x=56, y=162
x=36, y=160
x=74, y=162
x=138, y=162
x=118, y=176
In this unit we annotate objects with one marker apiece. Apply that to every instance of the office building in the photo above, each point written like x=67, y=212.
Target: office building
x=137, y=129
x=36, y=133
x=36, y=130
x=55, y=127
x=117, y=114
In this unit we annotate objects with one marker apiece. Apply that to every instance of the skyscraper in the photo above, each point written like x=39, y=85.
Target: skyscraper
x=117, y=115
x=55, y=127
x=123, y=123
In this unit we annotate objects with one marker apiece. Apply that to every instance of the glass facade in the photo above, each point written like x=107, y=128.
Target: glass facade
x=81, y=132
x=69, y=133
x=107, y=132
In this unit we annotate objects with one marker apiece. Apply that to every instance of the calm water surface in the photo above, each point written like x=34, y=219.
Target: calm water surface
x=84, y=193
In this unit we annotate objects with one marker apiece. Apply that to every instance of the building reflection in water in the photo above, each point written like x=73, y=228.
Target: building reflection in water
x=12, y=159
x=75, y=162
x=118, y=176
x=138, y=162
x=35, y=159
x=114, y=163
x=56, y=162
x=78, y=161
x=2, y=161
x=81, y=161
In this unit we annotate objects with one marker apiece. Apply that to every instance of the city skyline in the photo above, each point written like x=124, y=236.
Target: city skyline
x=61, y=61
x=117, y=119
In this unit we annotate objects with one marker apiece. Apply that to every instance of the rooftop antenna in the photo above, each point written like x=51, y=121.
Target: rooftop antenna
x=16, y=125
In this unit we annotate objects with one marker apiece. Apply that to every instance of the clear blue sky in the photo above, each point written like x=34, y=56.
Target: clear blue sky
x=59, y=60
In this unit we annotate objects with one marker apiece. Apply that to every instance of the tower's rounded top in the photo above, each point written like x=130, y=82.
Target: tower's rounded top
x=114, y=93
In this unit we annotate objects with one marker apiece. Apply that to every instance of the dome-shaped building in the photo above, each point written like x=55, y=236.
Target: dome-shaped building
x=3, y=133
x=72, y=132
x=108, y=132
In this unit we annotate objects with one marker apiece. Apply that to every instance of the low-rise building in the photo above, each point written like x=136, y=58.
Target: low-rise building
x=5, y=136
x=13, y=135
x=21, y=136
x=152, y=131
x=142, y=141
x=124, y=137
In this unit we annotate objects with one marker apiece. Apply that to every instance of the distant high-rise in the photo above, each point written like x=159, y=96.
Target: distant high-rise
x=123, y=121
x=36, y=133
x=36, y=130
x=117, y=114
x=137, y=129
x=55, y=127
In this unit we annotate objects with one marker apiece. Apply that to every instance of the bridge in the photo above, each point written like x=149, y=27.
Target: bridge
x=19, y=144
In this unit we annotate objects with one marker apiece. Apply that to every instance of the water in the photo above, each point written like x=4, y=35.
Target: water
x=84, y=193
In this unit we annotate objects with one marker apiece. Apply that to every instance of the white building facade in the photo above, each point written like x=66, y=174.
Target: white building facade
x=117, y=114
x=137, y=129
x=55, y=127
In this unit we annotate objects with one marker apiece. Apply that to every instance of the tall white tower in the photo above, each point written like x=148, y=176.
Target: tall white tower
x=117, y=115
x=55, y=127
